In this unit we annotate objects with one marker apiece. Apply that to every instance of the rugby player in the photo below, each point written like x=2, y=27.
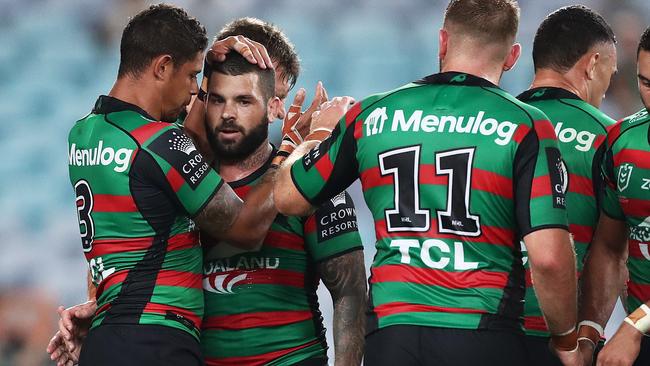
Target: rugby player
x=141, y=186
x=623, y=233
x=261, y=307
x=574, y=55
x=455, y=171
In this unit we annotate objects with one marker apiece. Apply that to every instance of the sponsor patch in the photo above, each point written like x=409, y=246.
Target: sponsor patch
x=336, y=217
x=559, y=175
x=179, y=151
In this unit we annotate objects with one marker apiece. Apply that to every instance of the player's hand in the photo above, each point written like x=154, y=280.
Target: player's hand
x=622, y=349
x=253, y=51
x=59, y=353
x=570, y=358
x=587, y=352
x=294, y=128
x=75, y=322
x=330, y=113
x=296, y=124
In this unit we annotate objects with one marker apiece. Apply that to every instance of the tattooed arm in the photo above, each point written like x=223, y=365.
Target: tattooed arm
x=345, y=278
x=243, y=224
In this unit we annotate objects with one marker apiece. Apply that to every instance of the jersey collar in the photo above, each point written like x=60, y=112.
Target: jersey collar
x=256, y=174
x=546, y=93
x=106, y=104
x=456, y=78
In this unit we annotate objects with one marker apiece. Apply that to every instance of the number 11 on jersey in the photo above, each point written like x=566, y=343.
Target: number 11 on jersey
x=408, y=215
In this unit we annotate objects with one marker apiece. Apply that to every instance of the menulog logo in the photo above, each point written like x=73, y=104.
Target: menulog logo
x=418, y=121
x=100, y=155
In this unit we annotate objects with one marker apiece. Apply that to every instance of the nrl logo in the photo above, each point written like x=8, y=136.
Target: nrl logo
x=624, y=175
x=219, y=285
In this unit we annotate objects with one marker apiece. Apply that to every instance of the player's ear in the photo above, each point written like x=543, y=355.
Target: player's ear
x=591, y=65
x=513, y=56
x=163, y=66
x=272, y=108
x=443, y=41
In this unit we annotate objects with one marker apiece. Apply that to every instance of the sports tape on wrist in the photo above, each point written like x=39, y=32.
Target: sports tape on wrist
x=640, y=319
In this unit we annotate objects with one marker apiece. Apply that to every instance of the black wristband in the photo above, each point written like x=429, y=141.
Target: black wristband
x=207, y=68
x=203, y=95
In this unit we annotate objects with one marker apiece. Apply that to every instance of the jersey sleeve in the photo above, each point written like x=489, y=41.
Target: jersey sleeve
x=609, y=195
x=540, y=181
x=187, y=174
x=332, y=230
x=332, y=166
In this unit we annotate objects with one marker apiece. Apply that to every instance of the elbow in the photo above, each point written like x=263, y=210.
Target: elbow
x=554, y=264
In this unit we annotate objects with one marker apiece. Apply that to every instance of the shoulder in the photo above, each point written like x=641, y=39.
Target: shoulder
x=623, y=127
x=525, y=112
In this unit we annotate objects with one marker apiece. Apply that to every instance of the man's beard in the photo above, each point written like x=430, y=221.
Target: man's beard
x=235, y=151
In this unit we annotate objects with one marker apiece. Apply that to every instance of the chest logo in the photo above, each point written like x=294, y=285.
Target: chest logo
x=624, y=175
x=222, y=284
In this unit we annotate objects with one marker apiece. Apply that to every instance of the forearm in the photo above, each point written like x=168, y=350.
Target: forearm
x=601, y=283
x=553, y=270
x=195, y=125
x=349, y=328
x=256, y=215
x=92, y=289
x=345, y=278
x=287, y=198
x=555, y=287
x=605, y=271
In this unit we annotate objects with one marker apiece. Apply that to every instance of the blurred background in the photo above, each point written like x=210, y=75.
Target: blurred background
x=57, y=56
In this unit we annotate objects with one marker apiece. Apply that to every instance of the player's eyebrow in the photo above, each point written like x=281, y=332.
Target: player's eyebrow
x=643, y=78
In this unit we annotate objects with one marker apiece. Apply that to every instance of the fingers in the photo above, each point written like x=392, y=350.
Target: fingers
x=299, y=99
x=253, y=51
x=55, y=342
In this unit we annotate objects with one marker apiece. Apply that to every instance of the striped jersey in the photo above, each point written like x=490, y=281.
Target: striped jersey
x=261, y=308
x=626, y=169
x=581, y=130
x=137, y=183
x=454, y=171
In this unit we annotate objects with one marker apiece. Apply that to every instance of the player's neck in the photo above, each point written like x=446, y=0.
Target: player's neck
x=489, y=72
x=137, y=93
x=554, y=79
x=234, y=170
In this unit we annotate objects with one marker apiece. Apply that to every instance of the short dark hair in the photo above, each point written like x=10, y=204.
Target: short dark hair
x=235, y=64
x=160, y=30
x=280, y=49
x=644, y=43
x=487, y=20
x=568, y=34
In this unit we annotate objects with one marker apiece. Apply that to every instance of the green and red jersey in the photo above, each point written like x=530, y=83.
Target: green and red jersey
x=137, y=183
x=261, y=308
x=581, y=130
x=454, y=171
x=626, y=168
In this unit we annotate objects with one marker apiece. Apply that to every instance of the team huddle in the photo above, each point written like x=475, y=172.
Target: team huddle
x=507, y=227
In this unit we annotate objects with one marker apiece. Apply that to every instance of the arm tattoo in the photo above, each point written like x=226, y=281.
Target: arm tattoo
x=345, y=278
x=220, y=213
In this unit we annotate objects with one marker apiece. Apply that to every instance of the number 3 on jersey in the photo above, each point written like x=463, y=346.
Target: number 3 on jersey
x=407, y=215
x=84, y=208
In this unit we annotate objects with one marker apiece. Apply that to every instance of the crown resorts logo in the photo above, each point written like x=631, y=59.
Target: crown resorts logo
x=181, y=143
x=339, y=199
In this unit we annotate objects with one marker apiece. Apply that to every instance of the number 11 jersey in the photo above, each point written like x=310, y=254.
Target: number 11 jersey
x=454, y=171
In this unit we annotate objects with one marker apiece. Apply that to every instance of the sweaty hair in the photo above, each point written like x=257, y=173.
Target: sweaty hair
x=235, y=64
x=566, y=35
x=160, y=30
x=280, y=49
x=490, y=21
x=644, y=44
